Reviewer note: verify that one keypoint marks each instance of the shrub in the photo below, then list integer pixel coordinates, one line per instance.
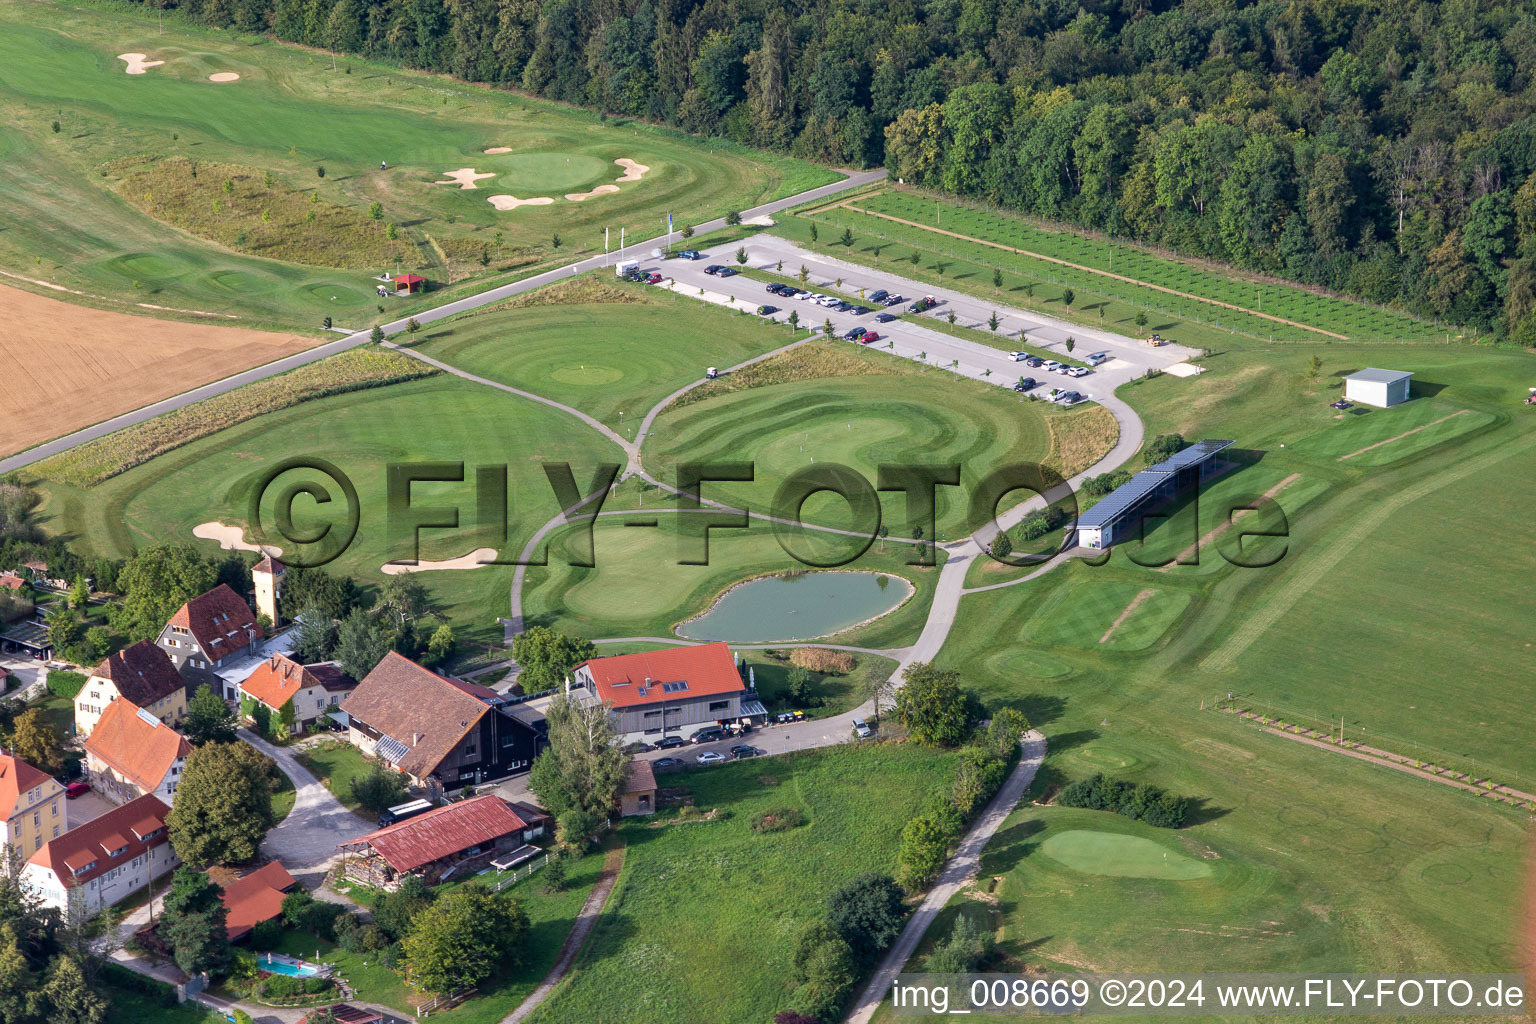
(978, 776)
(924, 845)
(554, 874)
(1144, 802)
(777, 819)
(266, 934)
(820, 660)
(65, 684)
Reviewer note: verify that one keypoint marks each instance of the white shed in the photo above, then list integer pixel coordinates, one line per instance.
(1380, 388)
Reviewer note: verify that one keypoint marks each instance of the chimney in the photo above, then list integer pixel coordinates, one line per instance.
(415, 738)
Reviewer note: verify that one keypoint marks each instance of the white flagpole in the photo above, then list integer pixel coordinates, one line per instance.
(605, 246)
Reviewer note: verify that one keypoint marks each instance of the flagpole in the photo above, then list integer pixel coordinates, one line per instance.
(605, 246)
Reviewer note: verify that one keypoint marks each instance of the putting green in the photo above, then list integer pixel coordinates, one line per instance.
(239, 281)
(541, 173)
(1029, 663)
(1104, 758)
(1110, 853)
(145, 265)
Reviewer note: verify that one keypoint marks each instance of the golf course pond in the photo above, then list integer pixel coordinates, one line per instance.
(798, 606)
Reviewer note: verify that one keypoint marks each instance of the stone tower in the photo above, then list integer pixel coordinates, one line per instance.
(267, 575)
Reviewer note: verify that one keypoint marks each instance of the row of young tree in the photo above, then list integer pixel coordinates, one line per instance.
(1384, 150)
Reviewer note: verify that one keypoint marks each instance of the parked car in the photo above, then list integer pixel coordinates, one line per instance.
(774, 288)
(1034, 362)
(713, 268)
(743, 750)
(869, 336)
(893, 300)
(1052, 365)
(855, 334)
(654, 277)
(690, 254)
(767, 310)
(1067, 398)
(1018, 357)
(862, 729)
(711, 757)
(1025, 384)
(1096, 358)
(727, 272)
(708, 734)
(665, 763)
(638, 747)
(923, 304)
(1077, 371)
(885, 318)
(75, 789)
(669, 742)
(879, 296)
(840, 306)
(861, 310)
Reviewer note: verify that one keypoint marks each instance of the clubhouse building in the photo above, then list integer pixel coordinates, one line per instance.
(653, 693)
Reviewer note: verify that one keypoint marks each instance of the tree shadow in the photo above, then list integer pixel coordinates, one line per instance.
(1068, 740)
(1010, 846)
(1201, 812)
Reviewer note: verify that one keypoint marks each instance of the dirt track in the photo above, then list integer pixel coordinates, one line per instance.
(68, 366)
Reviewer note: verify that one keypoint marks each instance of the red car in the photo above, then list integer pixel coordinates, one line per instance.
(654, 277)
(75, 789)
(868, 337)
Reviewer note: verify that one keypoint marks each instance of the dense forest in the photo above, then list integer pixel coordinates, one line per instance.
(1379, 147)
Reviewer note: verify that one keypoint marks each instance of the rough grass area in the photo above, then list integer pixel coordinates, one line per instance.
(336, 764)
(252, 211)
(1080, 438)
(816, 360)
(588, 288)
(89, 464)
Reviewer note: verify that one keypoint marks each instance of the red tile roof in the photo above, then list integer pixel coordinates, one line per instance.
(443, 832)
(268, 565)
(85, 852)
(220, 621)
(629, 680)
(140, 751)
(16, 777)
(256, 897)
(277, 679)
(429, 714)
(11, 582)
(143, 673)
(408, 279)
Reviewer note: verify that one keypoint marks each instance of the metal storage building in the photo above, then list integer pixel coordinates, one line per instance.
(1381, 388)
(1119, 513)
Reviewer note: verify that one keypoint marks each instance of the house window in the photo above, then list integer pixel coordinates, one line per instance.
(469, 750)
(719, 705)
(55, 831)
(652, 714)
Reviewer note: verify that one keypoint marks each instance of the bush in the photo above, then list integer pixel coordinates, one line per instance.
(65, 684)
(554, 874)
(266, 934)
(1164, 446)
(1145, 802)
(379, 789)
(978, 776)
(924, 845)
(778, 819)
(362, 938)
(819, 660)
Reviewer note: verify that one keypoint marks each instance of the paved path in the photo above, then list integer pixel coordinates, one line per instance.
(464, 305)
(613, 862)
(306, 840)
(962, 867)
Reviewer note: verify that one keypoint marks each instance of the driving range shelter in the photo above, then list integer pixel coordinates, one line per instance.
(1119, 514)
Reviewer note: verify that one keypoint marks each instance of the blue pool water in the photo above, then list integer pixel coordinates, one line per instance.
(283, 967)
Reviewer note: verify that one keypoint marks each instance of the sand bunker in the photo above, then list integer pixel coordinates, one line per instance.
(512, 202)
(632, 170)
(601, 190)
(223, 76)
(232, 538)
(137, 65)
(476, 559)
(464, 176)
(499, 149)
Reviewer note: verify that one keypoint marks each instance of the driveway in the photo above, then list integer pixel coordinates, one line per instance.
(306, 840)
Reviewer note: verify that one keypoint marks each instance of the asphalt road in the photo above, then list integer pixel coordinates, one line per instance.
(450, 309)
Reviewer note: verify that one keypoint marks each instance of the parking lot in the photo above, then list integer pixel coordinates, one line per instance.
(909, 336)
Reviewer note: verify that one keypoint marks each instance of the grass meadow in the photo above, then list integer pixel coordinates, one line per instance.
(703, 920)
(106, 204)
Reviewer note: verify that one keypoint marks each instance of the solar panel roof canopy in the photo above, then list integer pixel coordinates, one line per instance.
(1125, 497)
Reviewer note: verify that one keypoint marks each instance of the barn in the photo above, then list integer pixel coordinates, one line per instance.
(1381, 388)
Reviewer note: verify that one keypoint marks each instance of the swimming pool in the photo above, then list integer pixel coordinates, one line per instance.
(293, 969)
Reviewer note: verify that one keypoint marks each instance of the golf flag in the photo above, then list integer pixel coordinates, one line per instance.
(669, 222)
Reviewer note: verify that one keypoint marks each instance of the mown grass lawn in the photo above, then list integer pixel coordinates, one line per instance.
(336, 764)
(702, 922)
